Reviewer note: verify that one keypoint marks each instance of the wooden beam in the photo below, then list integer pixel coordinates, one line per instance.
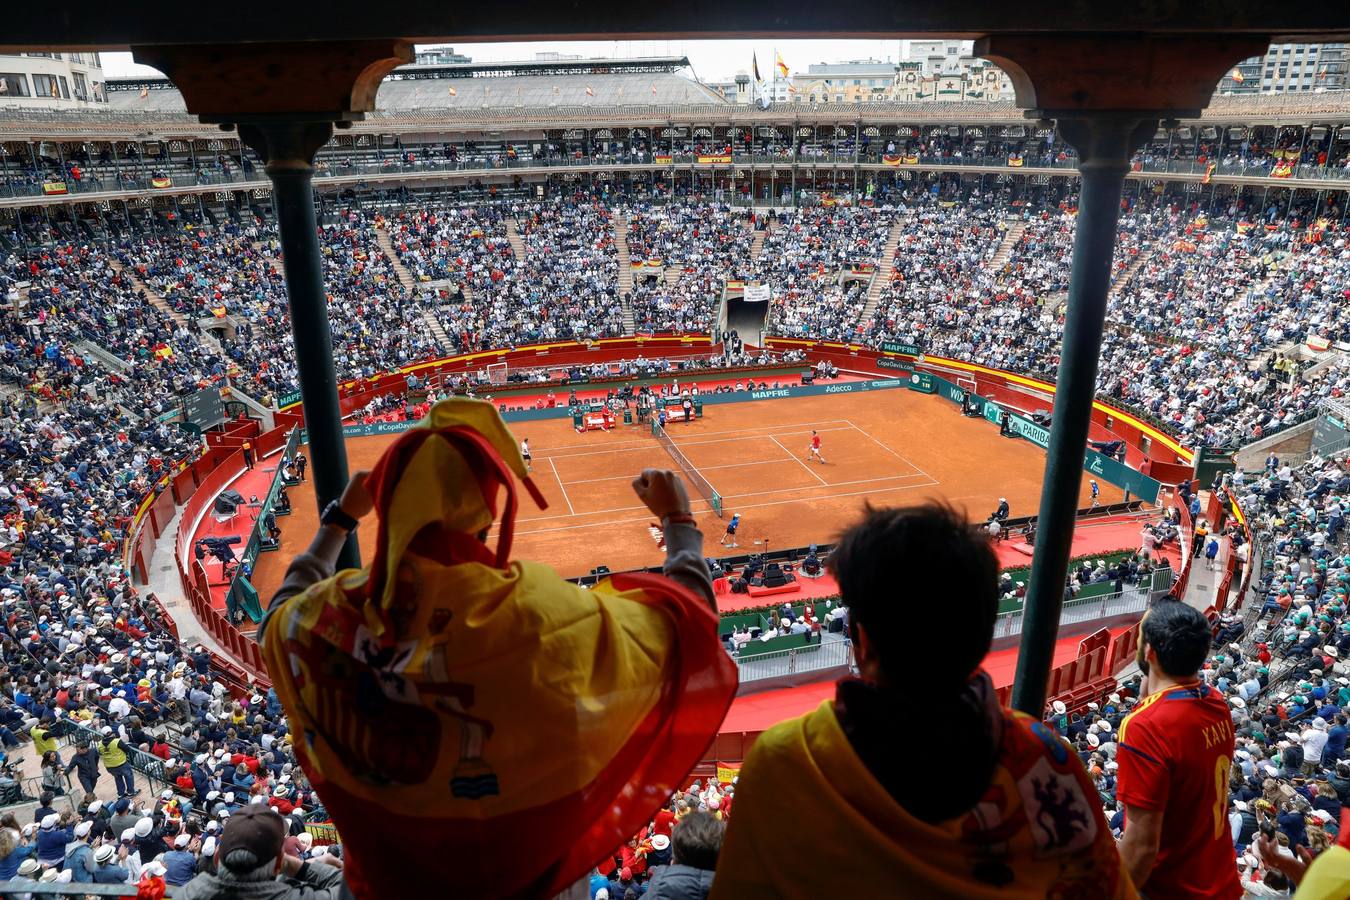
(1059, 74)
(311, 81)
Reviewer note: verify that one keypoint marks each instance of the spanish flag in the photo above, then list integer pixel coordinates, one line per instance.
(806, 771)
(1283, 169)
(161, 181)
(1209, 173)
(890, 159)
(453, 92)
(782, 66)
(505, 728)
(1238, 76)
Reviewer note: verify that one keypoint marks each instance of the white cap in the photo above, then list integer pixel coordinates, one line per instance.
(182, 840)
(83, 829)
(144, 827)
(1059, 707)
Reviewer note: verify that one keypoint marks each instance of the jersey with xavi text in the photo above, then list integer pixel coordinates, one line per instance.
(1175, 752)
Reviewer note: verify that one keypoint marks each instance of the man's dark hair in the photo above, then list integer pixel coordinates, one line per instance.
(904, 573)
(1179, 635)
(696, 840)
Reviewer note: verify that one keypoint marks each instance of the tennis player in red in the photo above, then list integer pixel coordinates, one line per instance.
(813, 451)
(1175, 751)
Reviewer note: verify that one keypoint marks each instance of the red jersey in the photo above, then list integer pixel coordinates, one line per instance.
(815, 441)
(1175, 752)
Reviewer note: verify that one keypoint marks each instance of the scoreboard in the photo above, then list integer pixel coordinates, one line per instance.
(204, 409)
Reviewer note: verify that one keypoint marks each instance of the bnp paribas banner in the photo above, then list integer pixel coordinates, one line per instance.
(1025, 428)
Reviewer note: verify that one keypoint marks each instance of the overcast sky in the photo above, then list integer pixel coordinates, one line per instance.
(712, 60)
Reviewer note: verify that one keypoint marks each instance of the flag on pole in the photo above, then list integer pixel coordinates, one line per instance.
(590, 91)
(454, 93)
(782, 66)
(653, 88)
(1238, 76)
(145, 92)
(754, 65)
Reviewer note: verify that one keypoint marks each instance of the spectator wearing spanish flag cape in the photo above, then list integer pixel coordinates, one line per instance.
(452, 705)
(1020, 820)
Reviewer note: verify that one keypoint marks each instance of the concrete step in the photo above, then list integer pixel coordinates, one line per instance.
(1005, 247)
(1132, 270)
(405, 277)
(885, 268)
(437, 330)
(155, 298)
(624, 262)
(757, 244)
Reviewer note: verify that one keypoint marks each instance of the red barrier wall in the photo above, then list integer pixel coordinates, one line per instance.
(1082, 680)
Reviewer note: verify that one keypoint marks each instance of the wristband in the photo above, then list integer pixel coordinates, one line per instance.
(334, 515)
(679, 517)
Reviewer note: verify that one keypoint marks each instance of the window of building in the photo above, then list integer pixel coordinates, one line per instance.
(45, 86)
(81, 86)
(14, 84)
(65, 87)
(951, 51)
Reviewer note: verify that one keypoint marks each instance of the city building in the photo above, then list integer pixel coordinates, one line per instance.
(852, 81)
(440, 56)
(51, 80)
(1289, 68)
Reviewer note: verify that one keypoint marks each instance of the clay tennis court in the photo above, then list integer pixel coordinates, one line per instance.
(884, 447)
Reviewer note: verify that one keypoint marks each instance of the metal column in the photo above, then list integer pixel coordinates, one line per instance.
(1104, 147)
(287, 149)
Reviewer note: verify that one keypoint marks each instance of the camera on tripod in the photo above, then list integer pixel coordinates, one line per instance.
(219, 547)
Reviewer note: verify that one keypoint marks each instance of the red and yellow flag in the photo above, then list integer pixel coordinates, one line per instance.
(464, 700)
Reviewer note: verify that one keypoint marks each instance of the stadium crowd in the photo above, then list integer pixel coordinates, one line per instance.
(1195, 307)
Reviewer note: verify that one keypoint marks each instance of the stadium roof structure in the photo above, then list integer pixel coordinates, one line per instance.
(1107, 73)
(593, 83)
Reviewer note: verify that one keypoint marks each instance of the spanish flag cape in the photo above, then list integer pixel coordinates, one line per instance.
(477, 723)
(1037, 832)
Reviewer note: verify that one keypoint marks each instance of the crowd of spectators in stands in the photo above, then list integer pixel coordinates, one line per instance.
(700, 247)
(1197, 305)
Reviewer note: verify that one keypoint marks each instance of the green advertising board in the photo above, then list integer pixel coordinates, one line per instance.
(1025, 428)
(906, 349)
(286, 400)
(1121, 475)
(922, 382)
(993, 412)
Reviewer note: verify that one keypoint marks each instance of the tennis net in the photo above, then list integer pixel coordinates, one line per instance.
(696, 477)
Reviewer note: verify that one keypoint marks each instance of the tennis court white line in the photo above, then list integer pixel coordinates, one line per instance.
(647, 445)
(736, 465)
(704, 508)
(903, 459)
(799, 462)
(696, 500)
(562, 487)
(646, 442)
(812, 487)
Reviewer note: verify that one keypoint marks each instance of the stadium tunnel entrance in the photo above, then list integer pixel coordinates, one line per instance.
(747, 318)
